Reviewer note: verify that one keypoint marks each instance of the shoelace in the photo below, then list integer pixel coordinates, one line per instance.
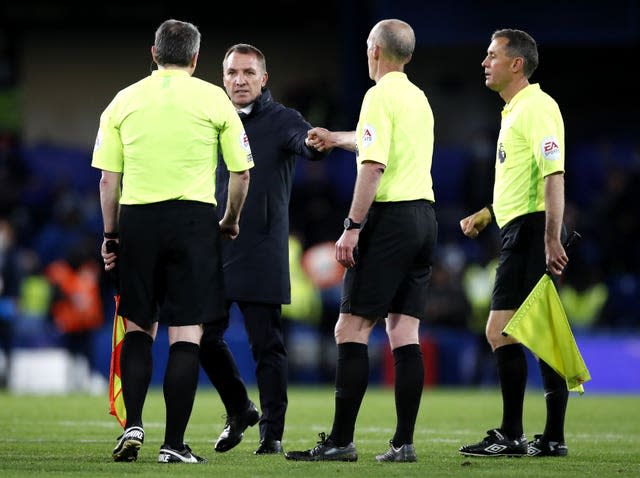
(323, 438)
(321, 443)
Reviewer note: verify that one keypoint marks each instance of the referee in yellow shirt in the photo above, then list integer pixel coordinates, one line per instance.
(528, 206)
(160, 137)
(387, 245)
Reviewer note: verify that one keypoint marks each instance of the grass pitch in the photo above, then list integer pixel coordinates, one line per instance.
(73, 436)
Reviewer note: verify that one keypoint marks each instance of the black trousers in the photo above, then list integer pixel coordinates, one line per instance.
(263, 323)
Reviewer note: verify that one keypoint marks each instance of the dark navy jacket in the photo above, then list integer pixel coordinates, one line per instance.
(256, 264)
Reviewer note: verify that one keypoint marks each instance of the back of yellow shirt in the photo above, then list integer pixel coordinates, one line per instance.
(163, 134)
(396, 129)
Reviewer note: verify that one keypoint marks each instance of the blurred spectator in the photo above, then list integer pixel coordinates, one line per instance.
(305, 308)
(77, 308)
(477, 282)
(319, 262)
(583, 292)
(35, 293)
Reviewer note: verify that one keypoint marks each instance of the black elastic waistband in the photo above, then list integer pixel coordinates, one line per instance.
(414, 202)
(170, 204)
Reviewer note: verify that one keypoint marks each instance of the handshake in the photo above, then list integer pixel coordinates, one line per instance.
(322, 139)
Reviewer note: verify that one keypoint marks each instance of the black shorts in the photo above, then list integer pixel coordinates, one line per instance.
(522, 261)
(393, 261)
(170, 263)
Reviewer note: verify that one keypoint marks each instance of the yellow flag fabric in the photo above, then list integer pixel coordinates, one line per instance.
(542, 326)
(116, 401)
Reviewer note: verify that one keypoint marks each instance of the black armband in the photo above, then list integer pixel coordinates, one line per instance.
(493, 214)
(111, 235)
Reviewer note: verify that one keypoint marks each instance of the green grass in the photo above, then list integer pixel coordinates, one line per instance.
(74, 435)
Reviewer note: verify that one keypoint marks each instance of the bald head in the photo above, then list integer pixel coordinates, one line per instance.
(395, 38)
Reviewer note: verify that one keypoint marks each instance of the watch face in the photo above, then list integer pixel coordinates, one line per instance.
(349, 224)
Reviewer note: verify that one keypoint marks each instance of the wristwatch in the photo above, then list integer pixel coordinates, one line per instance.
(349, 224)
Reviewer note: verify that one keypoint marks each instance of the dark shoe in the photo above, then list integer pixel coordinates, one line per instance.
(235, 427)
(540, 446)
(171, 455)
(128, 444)
(406, 453)
(496, 444)
(325, 450)
(269, 447)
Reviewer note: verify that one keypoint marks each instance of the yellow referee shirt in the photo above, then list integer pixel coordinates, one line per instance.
(396, 129)
(163, 134)
(530, 147)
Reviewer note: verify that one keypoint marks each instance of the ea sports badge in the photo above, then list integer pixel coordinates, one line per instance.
(550, 148)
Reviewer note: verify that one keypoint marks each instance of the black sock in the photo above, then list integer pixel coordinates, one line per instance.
(221, 368)
(556, 396)
(512, 371)
(352, 377)
(135, 369)
(180, 383)
(409, 370)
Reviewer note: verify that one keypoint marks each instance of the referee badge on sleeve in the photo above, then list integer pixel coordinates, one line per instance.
(368, 135)
(550, 148)
(244, 141)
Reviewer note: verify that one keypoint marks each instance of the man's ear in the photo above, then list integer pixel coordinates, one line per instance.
(153, 53)
(517, 64)
(265, 78)
(376, 52)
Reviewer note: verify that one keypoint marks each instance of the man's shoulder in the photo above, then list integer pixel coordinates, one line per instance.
(205, 85)
(538, 104)
(283, 113)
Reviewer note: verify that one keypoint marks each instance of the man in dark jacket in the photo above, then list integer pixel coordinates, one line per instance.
(256, 265)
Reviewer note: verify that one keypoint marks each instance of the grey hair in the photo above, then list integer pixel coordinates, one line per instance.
(176, 43)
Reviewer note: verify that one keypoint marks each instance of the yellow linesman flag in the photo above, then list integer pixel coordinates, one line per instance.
(542, 326)
(116, 401)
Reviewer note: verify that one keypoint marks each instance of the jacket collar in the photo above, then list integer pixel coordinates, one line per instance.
(261, 102)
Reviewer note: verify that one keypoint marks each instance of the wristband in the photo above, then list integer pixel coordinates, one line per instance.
(493, 214)
(111, 235)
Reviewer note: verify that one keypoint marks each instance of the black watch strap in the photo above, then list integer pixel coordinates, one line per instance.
(351, 224)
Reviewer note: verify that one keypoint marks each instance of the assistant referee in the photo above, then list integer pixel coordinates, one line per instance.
(160, 138)
(387, 245)
(528, 206)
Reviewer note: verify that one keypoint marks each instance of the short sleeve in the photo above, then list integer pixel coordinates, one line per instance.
(374, 131)
(547, 139)
(108, 150)
(234, 142)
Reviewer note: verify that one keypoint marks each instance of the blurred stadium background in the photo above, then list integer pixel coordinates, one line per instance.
(60, 64)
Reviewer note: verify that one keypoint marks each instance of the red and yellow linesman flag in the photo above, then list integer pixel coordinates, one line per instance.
(541, 325)
(116, 401)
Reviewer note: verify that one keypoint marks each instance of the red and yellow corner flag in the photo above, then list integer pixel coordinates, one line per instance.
(542, 326)
(116, 401)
